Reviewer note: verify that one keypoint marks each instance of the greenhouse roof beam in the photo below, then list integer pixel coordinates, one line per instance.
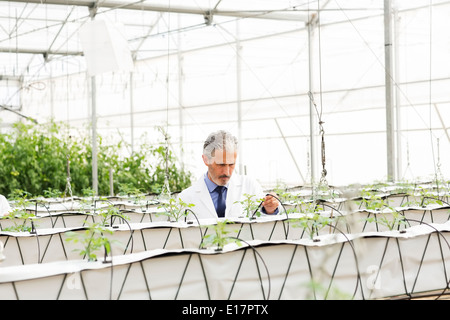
(289, 15)
(45, 53)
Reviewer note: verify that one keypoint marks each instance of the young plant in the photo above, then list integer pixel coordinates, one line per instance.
(87, 202)
(283, 194)
(373, 201)
(392, 219)
(22, 219)
(312, 224)
(134, 194)
(220, 237)
(110, 214)
(52, 193)
(250, 204)
(92, 240)
(304, 206)
(175, 209)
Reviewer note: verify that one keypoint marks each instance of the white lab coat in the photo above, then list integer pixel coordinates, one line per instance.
(5, 208)
(198, 194)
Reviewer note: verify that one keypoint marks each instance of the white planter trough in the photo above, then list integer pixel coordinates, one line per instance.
(356, 266)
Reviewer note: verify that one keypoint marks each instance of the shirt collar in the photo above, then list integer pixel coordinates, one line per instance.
(211, 185)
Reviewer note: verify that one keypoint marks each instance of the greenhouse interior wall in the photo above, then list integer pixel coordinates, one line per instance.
(252, 77)
(346, 92)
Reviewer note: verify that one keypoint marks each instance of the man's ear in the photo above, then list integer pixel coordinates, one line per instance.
(206, 160)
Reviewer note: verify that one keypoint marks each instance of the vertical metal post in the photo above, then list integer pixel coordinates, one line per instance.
(180, 93)
(111, 182)
(132, 111)
(92, 13)
(397, 99)
(239, 96)
(94, 136)
(52, 94)
(390, 152)
(312, 122)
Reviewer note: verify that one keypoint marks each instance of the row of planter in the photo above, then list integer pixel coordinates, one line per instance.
(301, 253)
(358, 266)
(51, 244)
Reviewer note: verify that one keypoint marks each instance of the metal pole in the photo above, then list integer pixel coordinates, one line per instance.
(180, 94)
(397, 97)
(312, 121)
(92, 13)
(132, 111)
(94, 136)
(390, 152)
(239, 97)
(111, 182)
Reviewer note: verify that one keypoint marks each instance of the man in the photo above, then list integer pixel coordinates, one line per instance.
(5, 208)
(218, 192)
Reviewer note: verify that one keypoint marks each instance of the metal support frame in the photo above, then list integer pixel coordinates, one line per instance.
(312, 127)
(389, 92)
(239, 96)
(288, 15)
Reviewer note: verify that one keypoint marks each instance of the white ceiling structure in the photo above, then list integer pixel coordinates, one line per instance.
(273, 72)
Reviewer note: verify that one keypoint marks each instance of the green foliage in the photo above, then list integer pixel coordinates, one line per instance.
(372, 200)
(249, 204)
(35, 158)
(385, 214)
(220, 236)
(391, 220)
(92, 239)
(175, 209)
(95, 237)
(19, 215)
(312, 224)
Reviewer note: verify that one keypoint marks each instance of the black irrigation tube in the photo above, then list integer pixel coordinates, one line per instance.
(254, 251)
(201, 237)
(358, 282)
(186, 210)
(131, 231)
(198, 222)
(267, 271)
(333, 208)
(433, 198)
(260, 204)
(376, 221)
(350, 242)
(257, 266)
(409, 294)
(442, 255)
(184, 273)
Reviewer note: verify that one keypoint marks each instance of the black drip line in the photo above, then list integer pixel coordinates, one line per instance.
(408, 293)
(358, 275)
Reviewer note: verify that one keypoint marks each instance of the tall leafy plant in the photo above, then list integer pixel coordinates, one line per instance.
(36, 157)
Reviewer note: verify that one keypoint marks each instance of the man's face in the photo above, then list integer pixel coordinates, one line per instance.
(220, 166)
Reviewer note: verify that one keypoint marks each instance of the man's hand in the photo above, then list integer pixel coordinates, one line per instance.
(270, 203)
